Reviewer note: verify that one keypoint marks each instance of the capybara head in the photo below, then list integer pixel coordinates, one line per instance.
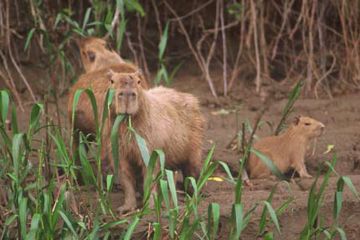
(96, 53)
(127, 88)
(308, 127)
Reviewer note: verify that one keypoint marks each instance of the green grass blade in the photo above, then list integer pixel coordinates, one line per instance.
(134, 4)
(171, 182)
(28, 39)
(237, 217)
(109, 182)
(4, 105)
(131, 228)
(14, 123)
(34, 227)
(272, 215)
(163, 41)
(274, 170)
(227, 170)
(142, 146)
(23, 216)
(115, 142)
(86, 18)
(207, 160)
(348, 182)
(342, 233)
(213, 216)
(68, 223)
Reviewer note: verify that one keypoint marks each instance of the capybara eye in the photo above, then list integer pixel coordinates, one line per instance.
(307, 124)
(133, 94)
(91, 56)
(111, 81)
(139, 81)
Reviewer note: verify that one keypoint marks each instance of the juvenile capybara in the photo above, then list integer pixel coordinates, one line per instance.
(166, 119)
(98, 82)
(287, 150)
(96, 54)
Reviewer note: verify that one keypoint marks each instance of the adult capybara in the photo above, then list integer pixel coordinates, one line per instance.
(166, 119)
(98, 82)
(96, 54)
(287, 150)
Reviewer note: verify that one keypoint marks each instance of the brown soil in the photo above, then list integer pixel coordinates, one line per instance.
(342, 119)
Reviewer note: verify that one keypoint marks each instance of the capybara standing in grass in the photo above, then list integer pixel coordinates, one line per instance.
(98, 82)
(287, 150)
(96, 54)
(166, 119)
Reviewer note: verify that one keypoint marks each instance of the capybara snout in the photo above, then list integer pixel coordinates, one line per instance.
(126, 91)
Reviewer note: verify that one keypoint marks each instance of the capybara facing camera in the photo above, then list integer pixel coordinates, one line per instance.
(166, 119)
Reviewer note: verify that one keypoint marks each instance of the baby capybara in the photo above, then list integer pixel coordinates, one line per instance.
(98, 82)
(96, 54)
(287, 150)
(166, 119)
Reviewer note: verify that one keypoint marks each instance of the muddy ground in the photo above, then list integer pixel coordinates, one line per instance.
(341, 117)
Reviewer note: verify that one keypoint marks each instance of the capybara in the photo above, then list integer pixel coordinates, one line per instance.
(287, 150)
(96, 54)
(166, 119)
(98, 82)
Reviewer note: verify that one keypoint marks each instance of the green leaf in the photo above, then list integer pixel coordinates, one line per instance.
(110, 182)
(163, 41)
(23, 216)
(86, 18)
(348, 182)
(131, 228)
(133, 4)
(142, 145)
(28, 39)
(121, 33)
(269, 164)
(342, 233)
(68, 223)
(272, 216)
(4, 105)
(237, 217)
(115, 142)
(213, 216)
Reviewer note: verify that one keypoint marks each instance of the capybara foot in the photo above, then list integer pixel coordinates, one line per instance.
(249, 184)
(126, 208)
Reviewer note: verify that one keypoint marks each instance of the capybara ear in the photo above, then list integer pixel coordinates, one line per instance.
(297, 119)
(138, 73)
(110, 73)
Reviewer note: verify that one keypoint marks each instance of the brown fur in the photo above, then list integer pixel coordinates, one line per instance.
(97, 54)
(166, 119)
(84, 116)
(287, 150)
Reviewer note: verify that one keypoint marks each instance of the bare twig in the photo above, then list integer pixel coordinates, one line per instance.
(177, 18)
(258, 69)
(128, 39)
(8, 40)
(224, 46)
(197, 57)
(144, 63)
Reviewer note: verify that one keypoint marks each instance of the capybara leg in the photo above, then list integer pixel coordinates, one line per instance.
(301, 169)
(192, 169)
(127, 179)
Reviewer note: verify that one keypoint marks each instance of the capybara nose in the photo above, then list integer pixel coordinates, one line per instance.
(130, 94)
